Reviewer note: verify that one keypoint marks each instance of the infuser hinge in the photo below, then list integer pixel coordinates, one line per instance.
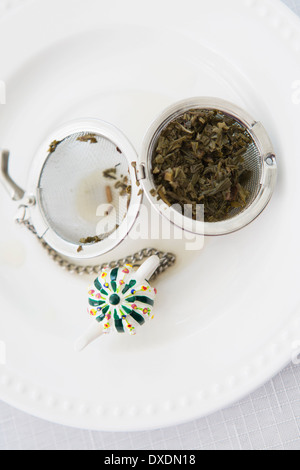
(140, 171)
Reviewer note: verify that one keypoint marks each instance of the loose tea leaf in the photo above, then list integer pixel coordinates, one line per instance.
(199, 159)
(108, 194)
(54, 145)
(88, 138)
(134, 165)
(123, 186)
(110, 173)
(97, 238)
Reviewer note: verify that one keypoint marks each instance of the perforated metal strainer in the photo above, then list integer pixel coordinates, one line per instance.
(260, 159)
(67, 191)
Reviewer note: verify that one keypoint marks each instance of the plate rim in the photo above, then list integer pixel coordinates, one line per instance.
(282, 359)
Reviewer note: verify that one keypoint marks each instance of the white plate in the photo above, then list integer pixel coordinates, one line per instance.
(235, 316)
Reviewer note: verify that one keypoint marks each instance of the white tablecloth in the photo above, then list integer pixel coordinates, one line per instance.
(266, 419)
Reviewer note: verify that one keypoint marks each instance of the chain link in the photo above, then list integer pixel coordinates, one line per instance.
(167, 260)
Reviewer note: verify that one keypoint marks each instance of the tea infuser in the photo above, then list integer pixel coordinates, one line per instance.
(67, 183)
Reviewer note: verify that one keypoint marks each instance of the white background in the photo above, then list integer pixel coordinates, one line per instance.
(266, 419)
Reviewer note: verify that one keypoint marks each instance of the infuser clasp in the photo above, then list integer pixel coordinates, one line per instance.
(15, 192)
(140, 172)
(22, 214)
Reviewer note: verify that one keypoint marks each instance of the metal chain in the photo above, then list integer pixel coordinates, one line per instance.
(167, 259)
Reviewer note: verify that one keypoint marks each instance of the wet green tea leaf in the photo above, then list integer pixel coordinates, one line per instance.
(199, 159)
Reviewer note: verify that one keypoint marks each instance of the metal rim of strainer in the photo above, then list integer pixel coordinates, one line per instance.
(37, 216)
(260, 139)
